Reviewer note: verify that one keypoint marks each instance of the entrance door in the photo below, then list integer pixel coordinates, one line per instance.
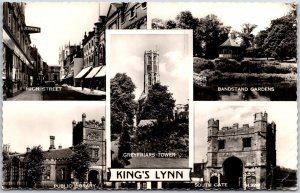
(94, 177)
(233, 172)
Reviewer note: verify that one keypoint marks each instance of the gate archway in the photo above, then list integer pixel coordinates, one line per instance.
(233, 172)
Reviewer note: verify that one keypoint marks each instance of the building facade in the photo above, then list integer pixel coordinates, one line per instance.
(18, 67)
(119, 16)
(242, 157)
(56, 162)
(53, 73)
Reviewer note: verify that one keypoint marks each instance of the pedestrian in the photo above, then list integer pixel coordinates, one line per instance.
(81, 83)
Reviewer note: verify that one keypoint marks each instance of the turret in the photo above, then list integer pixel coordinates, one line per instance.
(260, 122)
(213, 127)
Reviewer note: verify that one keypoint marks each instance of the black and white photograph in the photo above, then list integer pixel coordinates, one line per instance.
(245, 146)
(150, 95)
(54, 145)
(242, 50)
(56, 50)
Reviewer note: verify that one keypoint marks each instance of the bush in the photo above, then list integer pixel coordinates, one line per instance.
(203, 65)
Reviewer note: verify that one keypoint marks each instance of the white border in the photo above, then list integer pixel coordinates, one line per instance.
(190, 82)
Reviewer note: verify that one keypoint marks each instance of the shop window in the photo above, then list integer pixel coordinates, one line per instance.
(247, 142)
(221, 144)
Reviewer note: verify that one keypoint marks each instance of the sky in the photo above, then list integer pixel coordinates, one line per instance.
(231, 14)
(30, 123)
(175, 60)
(61, 23)
(284, 114)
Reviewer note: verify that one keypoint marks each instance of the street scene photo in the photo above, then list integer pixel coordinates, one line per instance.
(149, 110)
(242, 51)
(245, 146)
(56, 50)
(54, 145)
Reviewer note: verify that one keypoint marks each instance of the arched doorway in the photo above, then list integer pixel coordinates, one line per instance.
(94, 177)
(233, 172)
(214, 180)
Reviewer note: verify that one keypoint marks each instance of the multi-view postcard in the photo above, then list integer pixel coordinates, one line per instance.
(149, 96)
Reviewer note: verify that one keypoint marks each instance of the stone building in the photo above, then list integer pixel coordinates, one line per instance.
(242, 156)
(18, 66)
(127, 16)
(151, 71)
(57, 160)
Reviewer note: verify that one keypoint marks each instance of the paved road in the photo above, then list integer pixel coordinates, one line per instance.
(68, 94)
(27, 96)
(64, 94)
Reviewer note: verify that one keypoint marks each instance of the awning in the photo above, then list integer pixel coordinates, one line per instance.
(101, 73)
(83, 72)
(93, 72)
(68, 76)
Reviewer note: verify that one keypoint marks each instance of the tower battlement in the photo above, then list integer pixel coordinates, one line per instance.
(261, 117)
(213, 123)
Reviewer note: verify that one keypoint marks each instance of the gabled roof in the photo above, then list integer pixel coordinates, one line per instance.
(230, 43)
(113, 7)
(58, 153)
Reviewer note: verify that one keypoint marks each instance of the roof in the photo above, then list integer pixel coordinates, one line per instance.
(58, 153)
(113, 8)
(230, 43)
(147, 122)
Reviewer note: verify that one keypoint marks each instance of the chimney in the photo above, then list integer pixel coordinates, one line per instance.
(83, 118)
(52, 146)
(59, 147)
(28, 150)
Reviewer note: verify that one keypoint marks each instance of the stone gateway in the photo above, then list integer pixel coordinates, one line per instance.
(242, 157)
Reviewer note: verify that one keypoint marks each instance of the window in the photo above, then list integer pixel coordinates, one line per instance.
(132, 13)
(123, 16)
(247, 142)
(96, 152)
(221, 144)
(15, 173)
(62, 174)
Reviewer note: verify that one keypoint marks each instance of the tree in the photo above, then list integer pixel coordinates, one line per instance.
(34, 165)
(170, 24)
(157, 23)
(80, 161)
(185, 20)
(124, 142)
(210, 34)
(247, 35)
(281, 41)
(159, 104)
(122, 101)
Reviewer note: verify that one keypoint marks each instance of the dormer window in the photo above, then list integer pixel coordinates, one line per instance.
(144, 5)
